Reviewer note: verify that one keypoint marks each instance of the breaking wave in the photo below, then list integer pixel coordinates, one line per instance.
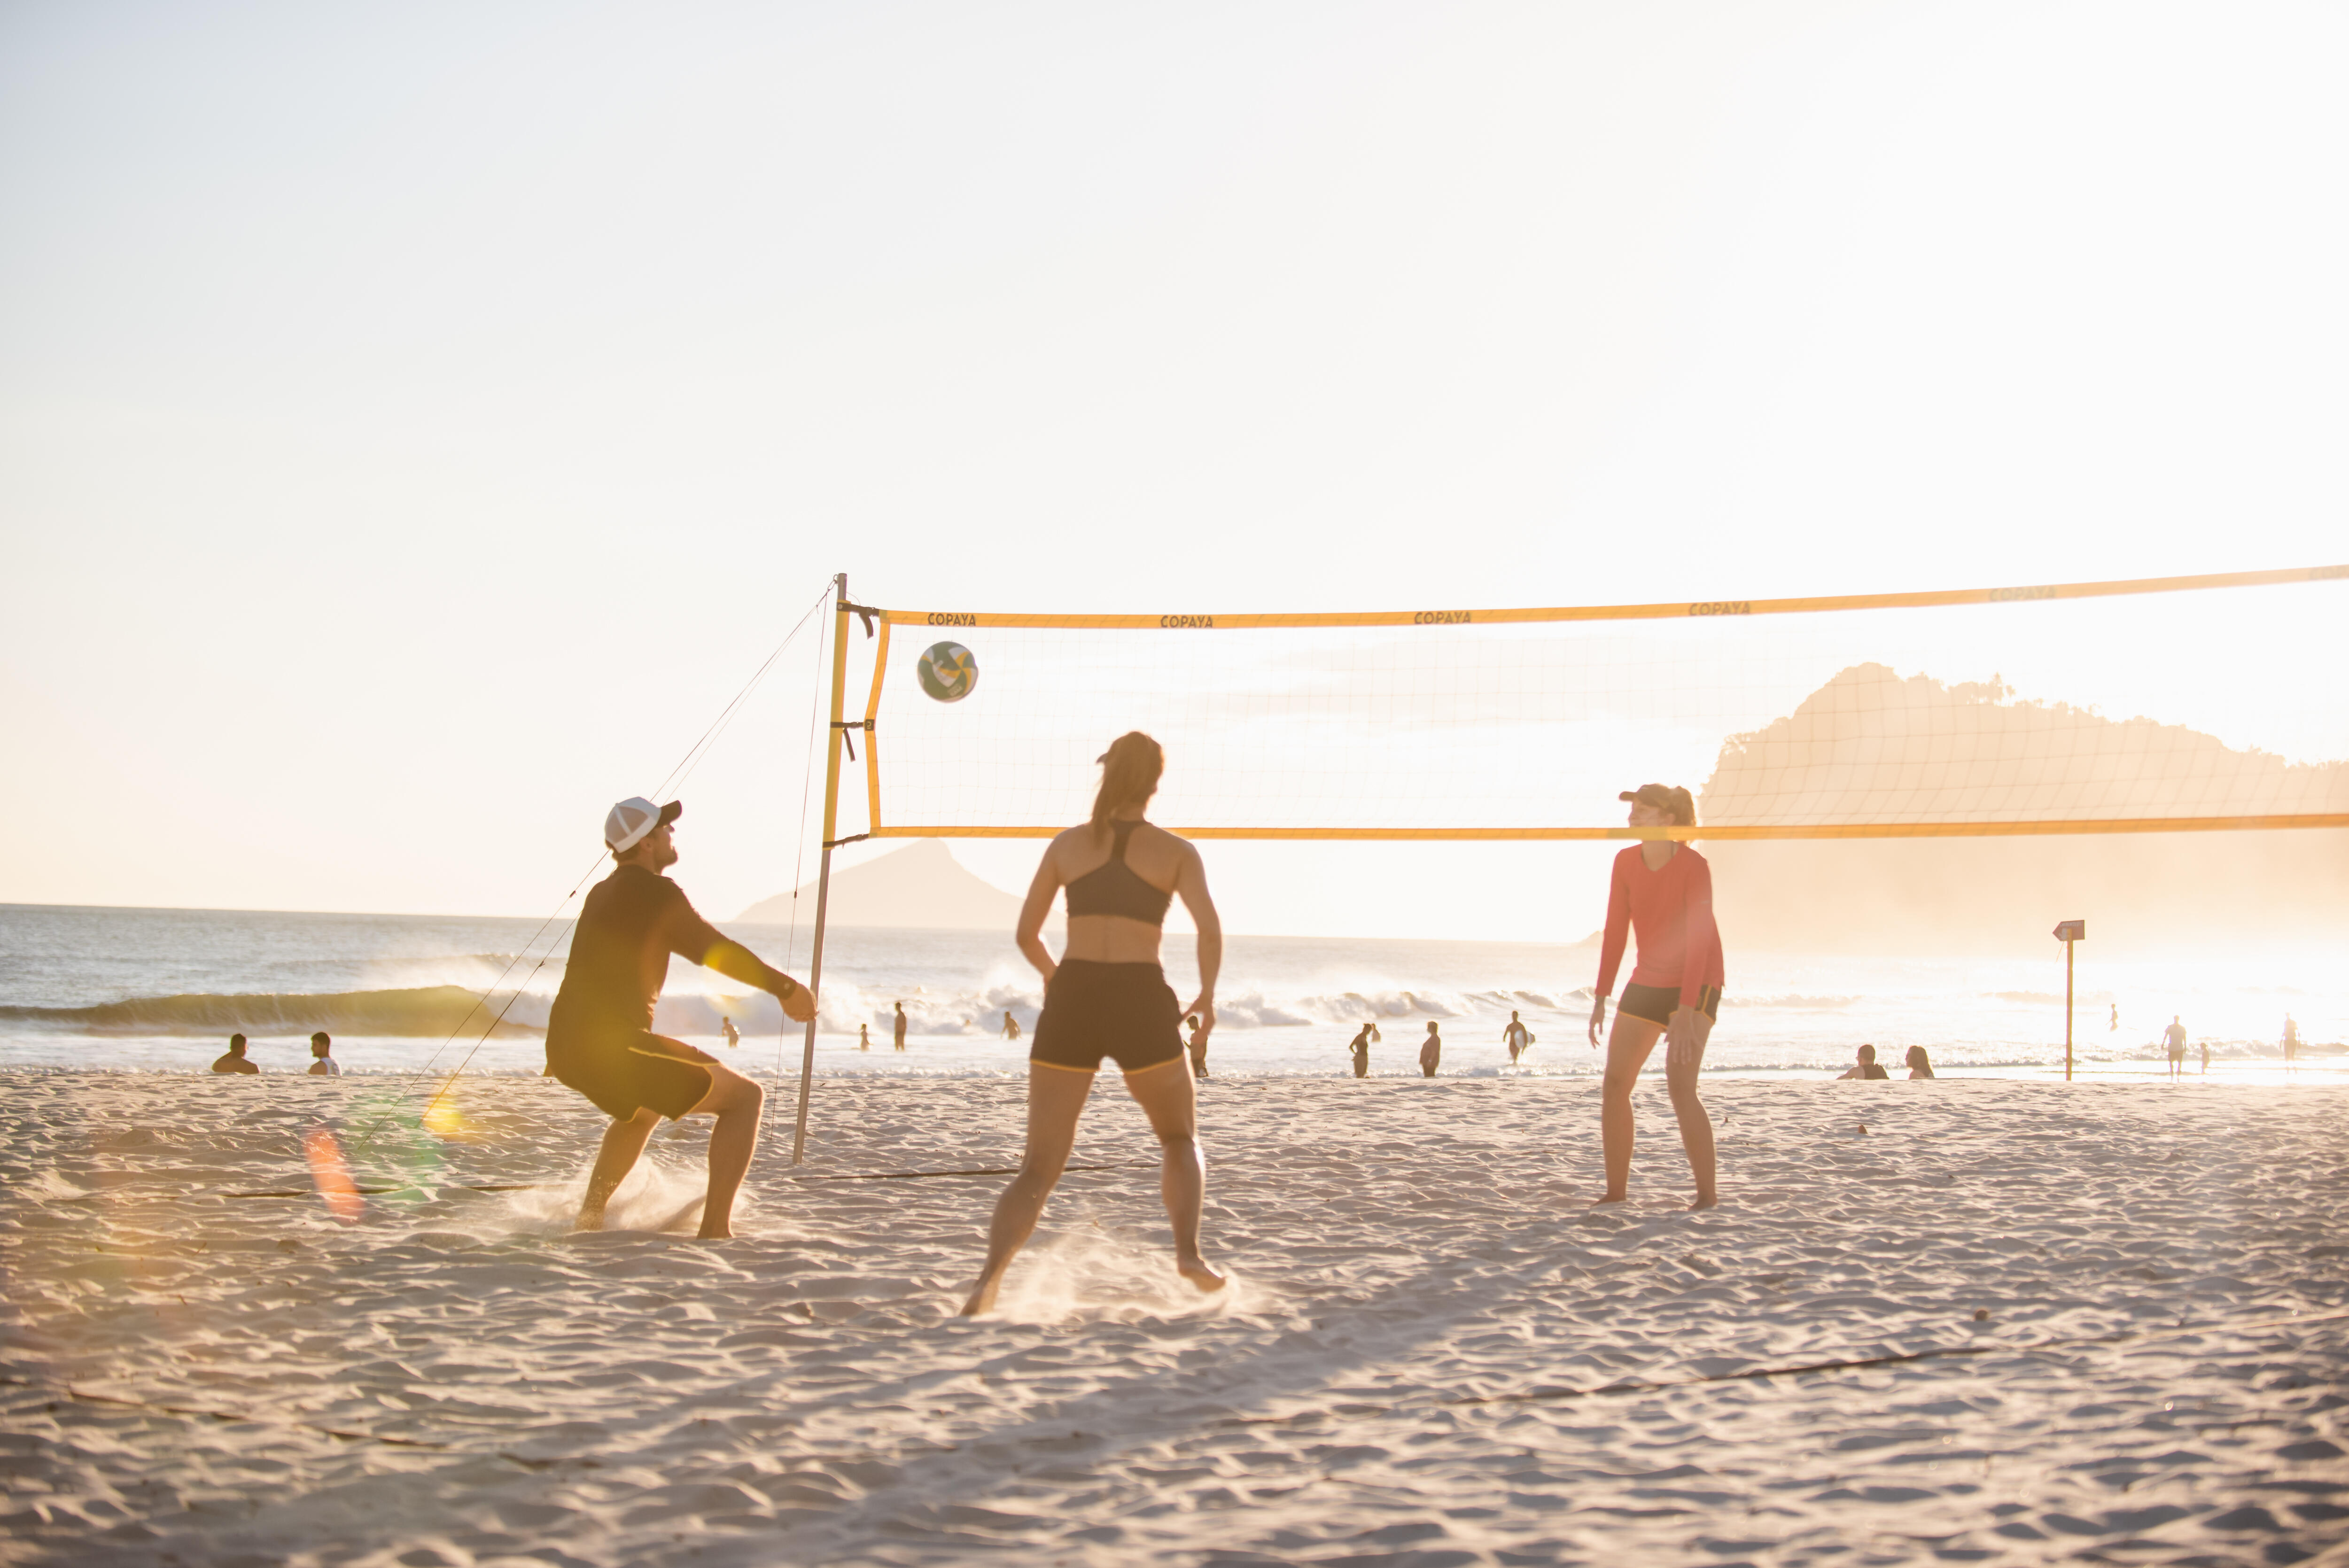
(446, 1009)
(422, 1010)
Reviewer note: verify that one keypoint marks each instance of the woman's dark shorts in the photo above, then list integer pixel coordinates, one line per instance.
(623, 1073)
(1656, 1002)
(1123, 1011)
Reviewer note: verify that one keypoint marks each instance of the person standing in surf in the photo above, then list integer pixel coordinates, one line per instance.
(1517, 1036)
(1107, 997)
(599, 1037)
(1663, 890)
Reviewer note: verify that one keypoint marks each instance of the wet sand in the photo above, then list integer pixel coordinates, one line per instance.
(1423, 1360)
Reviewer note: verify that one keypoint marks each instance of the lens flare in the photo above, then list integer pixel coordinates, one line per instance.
(332, 1175)
(443, 1121)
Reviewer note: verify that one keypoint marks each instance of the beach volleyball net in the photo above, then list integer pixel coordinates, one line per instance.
(2155, 705)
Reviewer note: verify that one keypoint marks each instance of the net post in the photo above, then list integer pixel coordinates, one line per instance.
(2067, 1009)
(823, 868)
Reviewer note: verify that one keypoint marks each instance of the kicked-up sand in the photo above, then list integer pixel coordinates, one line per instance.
(2101, 1322)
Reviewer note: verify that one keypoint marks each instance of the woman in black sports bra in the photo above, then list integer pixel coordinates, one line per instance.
(1108, 998)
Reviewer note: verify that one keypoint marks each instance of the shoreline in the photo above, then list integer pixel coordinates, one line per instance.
(918, 1065)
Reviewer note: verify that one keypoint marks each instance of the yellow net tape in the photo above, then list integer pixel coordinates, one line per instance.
(1930, 600)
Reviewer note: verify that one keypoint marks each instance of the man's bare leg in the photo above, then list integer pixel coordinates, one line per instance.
(737, 1102)
(1170, 1098)
(1696, 1126)
(1055, 1097)
(1627, 1045)
(623, 1142)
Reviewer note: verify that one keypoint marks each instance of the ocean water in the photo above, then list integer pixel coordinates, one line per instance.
(159, 990)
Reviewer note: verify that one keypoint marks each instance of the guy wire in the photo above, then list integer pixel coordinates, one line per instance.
(677, 775)
(798, 864)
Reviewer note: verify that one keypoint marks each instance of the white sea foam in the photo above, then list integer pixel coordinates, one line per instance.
(160, 989)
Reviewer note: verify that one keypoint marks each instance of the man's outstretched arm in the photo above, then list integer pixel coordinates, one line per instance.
(736, 962)
(697, 941)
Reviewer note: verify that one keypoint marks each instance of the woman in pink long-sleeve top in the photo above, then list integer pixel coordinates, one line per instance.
(1663, 891)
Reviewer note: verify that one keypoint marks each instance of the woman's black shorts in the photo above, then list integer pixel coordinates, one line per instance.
(1123, 1011)
(1655, 1003)
(623, 1073)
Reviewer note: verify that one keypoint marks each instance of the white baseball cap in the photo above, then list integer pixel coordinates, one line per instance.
(626, 824)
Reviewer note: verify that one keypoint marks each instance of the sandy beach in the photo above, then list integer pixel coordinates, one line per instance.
(1426, 1357)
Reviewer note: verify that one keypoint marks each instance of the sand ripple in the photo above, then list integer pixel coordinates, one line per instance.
(1430, 1353)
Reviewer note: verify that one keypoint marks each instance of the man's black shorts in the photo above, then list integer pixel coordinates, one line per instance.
(623, 1073)
(1123, 1011)
(1656, 1002)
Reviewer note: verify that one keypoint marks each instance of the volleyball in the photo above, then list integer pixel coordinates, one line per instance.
(949, 672)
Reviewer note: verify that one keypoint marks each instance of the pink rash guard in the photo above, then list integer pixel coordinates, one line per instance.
(1672, 912)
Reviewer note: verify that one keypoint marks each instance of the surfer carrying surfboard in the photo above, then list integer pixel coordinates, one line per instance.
(599, 1037)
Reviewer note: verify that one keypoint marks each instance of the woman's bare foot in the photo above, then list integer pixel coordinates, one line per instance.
(983, 1295)
(1705, 1200)
(1198, 1272)
(721, 1233)
(1609, 1197)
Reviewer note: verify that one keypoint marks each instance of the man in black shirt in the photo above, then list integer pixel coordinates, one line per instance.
(599, 1037)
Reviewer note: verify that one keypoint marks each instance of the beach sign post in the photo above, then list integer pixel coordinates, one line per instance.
(2068, 931)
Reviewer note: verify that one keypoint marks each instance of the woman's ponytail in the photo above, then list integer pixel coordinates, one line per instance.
(1130, 770)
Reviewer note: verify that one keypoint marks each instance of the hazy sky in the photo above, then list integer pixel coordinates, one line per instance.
(417, 421)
